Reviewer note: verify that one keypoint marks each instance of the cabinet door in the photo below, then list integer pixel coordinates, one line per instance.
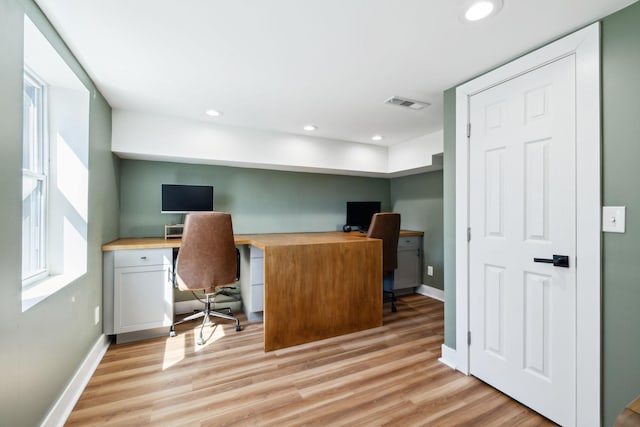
(143, 298)
(408, 273)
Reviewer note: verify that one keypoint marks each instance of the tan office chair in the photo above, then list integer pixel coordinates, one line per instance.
(386, 226)
(208, 261)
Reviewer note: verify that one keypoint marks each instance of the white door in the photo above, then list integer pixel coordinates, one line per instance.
(522, 205)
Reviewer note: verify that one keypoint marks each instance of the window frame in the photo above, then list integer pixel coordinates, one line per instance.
(38, 170)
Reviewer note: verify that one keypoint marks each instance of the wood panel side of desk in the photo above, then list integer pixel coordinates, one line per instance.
(321, 290)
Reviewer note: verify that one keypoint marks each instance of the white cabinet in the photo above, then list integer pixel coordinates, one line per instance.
(252, 287)
(256, 297)
(409, 271)
(138, 290)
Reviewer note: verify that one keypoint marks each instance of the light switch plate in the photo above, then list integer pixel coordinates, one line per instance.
(613, 219)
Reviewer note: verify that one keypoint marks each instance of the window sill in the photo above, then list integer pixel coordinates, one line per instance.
(39, 291)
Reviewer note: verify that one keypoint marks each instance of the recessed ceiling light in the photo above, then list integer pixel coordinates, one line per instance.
(376, 137)
(481, 9)
(213, 113)
(310, 128)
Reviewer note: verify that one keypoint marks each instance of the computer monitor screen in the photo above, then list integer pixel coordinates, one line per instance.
(359, 213)
(177, 198)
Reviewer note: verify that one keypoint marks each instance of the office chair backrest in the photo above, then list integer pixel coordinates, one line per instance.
(207, 255)
(386, 226)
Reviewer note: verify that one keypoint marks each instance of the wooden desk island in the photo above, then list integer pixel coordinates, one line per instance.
(316, 285)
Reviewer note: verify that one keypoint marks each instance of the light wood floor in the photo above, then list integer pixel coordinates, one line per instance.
(383, 376)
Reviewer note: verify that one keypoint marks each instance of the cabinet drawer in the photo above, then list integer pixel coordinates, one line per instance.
(140, 257)
(257, 271)
(257, 298)
(256, 252)
(410, 242)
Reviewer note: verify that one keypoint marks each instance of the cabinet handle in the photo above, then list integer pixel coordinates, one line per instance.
(144, 258)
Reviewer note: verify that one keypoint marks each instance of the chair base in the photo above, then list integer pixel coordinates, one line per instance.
(206, 314)
(387, 289)
(392, 298)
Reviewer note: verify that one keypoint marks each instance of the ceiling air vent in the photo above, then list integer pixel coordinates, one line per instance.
(406, 102)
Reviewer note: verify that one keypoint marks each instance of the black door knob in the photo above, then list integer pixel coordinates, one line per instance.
(557, 260)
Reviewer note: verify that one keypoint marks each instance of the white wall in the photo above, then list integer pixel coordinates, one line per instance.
(422, 154)
(156, 137)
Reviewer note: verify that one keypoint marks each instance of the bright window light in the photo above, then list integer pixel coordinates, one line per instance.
(55, 171)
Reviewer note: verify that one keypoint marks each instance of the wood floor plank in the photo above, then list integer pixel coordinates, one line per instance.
(389, 375)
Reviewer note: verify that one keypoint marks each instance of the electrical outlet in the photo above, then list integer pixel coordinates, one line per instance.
(430, 270)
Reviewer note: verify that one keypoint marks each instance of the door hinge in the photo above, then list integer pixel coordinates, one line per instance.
(468, 130)
(469, 338)
(469, 234)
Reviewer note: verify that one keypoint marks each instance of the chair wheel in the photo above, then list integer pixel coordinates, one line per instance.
(238, 328)
(200, 341)
(172, 333)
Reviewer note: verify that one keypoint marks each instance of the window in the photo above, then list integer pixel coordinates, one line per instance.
(34, 180)
(55, 171)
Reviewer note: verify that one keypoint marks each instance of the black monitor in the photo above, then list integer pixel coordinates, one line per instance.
(177, 198)
(359, 213)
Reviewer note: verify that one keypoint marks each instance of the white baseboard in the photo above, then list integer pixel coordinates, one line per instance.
(430, 291)
(448, 357)
(69, 397)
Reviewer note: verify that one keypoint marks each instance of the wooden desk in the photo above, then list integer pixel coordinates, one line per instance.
(319, 285)
(316, 285)
(630, 416)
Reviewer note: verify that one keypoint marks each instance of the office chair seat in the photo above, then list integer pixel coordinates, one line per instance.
(208, 261)
(386, 226)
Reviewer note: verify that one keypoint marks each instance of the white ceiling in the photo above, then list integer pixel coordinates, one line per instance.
(281, 64)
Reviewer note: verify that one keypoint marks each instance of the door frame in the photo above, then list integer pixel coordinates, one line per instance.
(584, 45)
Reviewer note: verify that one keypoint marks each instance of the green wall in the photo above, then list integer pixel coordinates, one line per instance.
(418, 198)
(449, 214)
(620, 175)
(260, 200)
(266, 201)
(620, 156)
(41, 348)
